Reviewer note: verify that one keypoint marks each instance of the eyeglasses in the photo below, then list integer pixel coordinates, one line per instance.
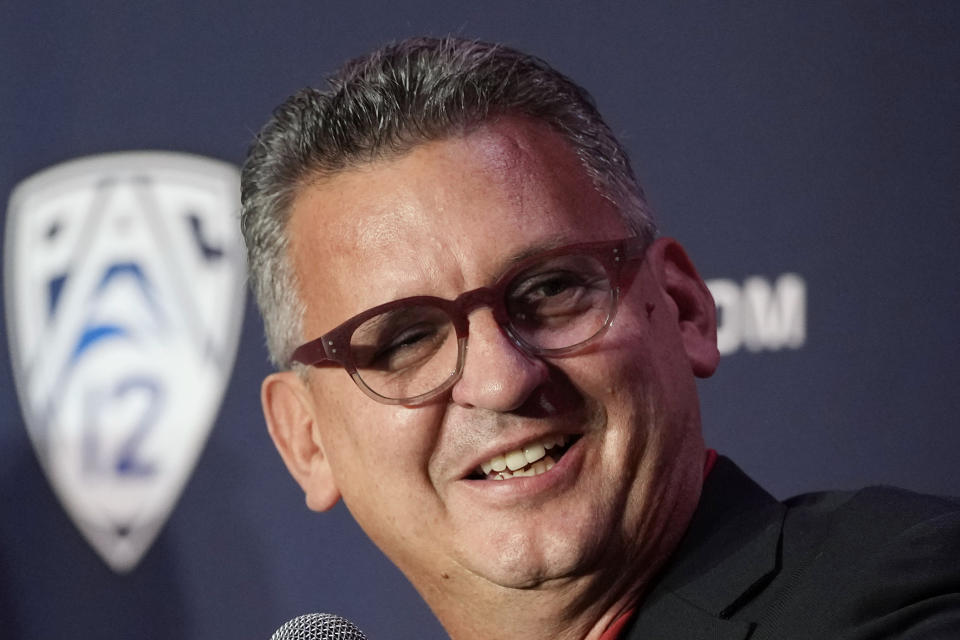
(411, 350)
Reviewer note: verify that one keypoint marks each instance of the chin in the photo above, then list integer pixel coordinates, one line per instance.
(529, 560)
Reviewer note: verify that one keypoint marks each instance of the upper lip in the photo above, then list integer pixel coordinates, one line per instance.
(504, 446)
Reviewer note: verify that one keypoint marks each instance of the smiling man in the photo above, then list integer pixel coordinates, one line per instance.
(486, 352)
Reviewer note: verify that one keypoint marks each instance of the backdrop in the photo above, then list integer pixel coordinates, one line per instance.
(805, 153)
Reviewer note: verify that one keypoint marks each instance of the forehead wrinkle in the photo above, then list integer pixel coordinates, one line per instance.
(380, 230)
(510, 170)
(499, 170)
(532, 165)
(498, 152)
(504, 158)
(401, 272)
(374, 224)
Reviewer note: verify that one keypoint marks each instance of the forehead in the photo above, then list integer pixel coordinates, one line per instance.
(441, 218)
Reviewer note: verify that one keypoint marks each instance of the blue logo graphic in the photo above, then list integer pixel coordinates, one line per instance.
(124, 294)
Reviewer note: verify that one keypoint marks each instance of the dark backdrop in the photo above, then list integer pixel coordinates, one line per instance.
(813, 138)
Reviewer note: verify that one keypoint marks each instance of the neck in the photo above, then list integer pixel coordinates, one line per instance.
(573, 609)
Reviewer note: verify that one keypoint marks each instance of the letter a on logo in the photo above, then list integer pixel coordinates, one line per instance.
(124, 291)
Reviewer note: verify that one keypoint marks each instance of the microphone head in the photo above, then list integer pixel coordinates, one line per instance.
(318, 626)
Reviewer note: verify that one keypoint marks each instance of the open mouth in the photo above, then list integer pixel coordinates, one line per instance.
(532, 459)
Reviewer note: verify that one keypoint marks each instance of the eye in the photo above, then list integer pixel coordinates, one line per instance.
(550, 285)
(400, 339)
(553, 294)
(406, 348)
(563, 296)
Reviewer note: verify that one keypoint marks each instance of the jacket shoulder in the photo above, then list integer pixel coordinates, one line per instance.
(878, 562)
(870, 519)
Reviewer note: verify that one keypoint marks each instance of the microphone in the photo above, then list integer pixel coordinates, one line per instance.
(318, 626)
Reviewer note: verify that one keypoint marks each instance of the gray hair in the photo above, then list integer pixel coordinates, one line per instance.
(385, 103)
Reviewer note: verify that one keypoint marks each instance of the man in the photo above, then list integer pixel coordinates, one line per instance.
(485, 351)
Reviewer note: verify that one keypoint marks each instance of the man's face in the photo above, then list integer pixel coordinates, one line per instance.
(447, 217)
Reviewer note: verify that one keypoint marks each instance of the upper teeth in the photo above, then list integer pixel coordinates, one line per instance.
(519, 458)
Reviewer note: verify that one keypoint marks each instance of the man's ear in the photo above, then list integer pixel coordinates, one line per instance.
(695, 310)
(291, 420)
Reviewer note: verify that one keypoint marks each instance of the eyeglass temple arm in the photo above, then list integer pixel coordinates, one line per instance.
(316, 354)
(635, 248)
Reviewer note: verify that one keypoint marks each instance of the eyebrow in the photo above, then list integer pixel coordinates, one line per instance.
(542, 246)
(385, 321)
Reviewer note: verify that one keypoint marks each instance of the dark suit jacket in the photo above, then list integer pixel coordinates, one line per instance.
(876, 563)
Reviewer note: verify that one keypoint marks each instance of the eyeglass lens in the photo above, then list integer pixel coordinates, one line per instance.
(555, 304)
(405, 352)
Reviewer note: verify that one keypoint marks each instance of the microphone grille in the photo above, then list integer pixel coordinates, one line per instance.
(318, 626)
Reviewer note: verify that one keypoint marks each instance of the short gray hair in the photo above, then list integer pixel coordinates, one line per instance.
(385, 103)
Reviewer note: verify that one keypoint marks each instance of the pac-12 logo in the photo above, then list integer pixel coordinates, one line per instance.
(124, 294)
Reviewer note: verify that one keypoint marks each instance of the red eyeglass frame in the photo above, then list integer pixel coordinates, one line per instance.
(332, 349)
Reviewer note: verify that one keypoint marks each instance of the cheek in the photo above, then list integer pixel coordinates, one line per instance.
(345, 427)
(624, 365)
(640, 373)
(649, 331)
(379, 460)
(377, 449)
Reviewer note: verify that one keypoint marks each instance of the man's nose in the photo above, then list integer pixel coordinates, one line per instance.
(497, 374)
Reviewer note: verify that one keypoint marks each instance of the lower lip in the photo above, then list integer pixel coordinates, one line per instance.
(502, 492)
